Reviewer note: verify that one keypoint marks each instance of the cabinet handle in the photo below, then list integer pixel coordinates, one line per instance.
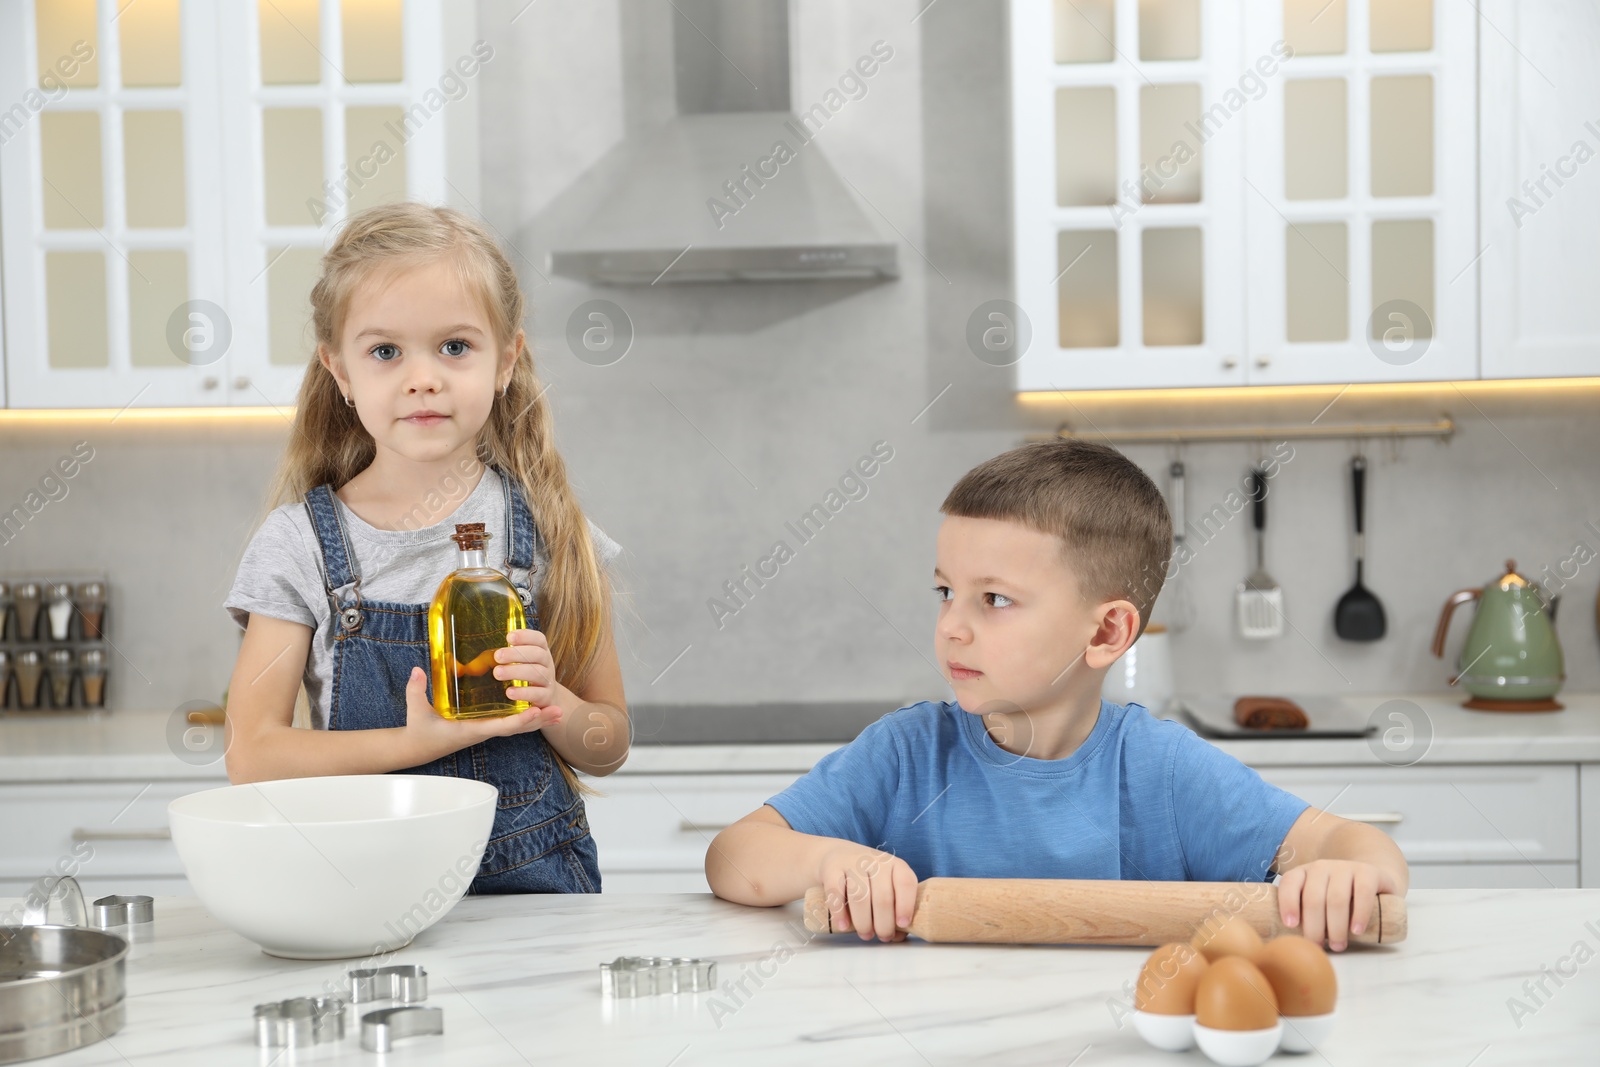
(1393, 817)
(1263, 361)
(158, 833)
(209, 382)
(241, 382)
(689, 826)
(1229, 363)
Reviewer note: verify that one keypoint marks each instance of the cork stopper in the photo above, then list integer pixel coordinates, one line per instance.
(470, 536)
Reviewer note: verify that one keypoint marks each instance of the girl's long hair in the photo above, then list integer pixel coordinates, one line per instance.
(329, 446)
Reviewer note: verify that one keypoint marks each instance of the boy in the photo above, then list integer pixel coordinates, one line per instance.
(1048, 560)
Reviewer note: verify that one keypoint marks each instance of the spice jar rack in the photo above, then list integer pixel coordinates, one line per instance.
(53, 652)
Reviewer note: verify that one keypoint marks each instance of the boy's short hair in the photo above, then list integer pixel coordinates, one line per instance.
(1115, 529)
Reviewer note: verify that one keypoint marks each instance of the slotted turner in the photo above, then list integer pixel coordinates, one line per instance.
(1260, 598)
(1359, 614)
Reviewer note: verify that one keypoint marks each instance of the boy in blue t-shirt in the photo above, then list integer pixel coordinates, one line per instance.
(1049, 558)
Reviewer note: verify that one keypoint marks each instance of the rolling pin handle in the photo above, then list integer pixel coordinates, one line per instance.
(818, 918)
(1391, 919)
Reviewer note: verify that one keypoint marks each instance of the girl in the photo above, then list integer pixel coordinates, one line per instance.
(420, 411)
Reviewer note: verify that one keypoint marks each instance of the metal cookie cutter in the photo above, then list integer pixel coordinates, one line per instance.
(643, 976)
(382, 1028)
(407, 983)
(123, 911)
(300, 1022)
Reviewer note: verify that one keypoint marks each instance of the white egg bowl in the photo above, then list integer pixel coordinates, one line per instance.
(1238, 1048)
(1170, 1033)
(1302, 1033)
(333, 867)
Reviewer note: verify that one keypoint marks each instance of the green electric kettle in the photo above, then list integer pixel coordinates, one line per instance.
(1511, 660)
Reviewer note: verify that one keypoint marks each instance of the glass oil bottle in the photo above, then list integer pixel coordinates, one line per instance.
(472, 615)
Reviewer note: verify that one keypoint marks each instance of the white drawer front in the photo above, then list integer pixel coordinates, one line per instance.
(14, 890)
(91, 830)
(653, 882)
(1494, 876)
(665, 822)
(1506, 813)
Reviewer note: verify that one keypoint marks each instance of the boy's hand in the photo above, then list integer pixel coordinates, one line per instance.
(526, 659)
(433, 735)
(1335, 897)
(872, 892)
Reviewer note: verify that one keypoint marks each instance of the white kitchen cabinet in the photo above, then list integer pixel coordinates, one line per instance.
(111, 836)
(173, 172)
(1494, 876)
(1589, 825)
(1460, 826)
(1540, 211)
(1122, 285)
(1367, 192)
(652, 831)
(1360, 165)
(1479, 826)
(110, 205)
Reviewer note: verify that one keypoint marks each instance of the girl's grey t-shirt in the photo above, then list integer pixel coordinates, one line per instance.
(280, 574)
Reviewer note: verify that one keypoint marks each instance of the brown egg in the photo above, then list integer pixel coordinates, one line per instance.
(1168, 979)
(1233, 994)
(1227, 937)
(1301, 975)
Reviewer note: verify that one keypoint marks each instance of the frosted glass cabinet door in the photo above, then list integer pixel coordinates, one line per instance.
(319, 129)
(1126, 148)
(1284, 192)
(173, 172)
(110, 205)
(1362, 168)
(1540, 216)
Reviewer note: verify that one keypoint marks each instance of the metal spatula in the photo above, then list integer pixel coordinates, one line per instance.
(1260, 599)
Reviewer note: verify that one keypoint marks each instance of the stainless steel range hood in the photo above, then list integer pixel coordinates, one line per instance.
(709, 195)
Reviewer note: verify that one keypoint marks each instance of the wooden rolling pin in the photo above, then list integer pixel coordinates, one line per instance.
(1061, 911)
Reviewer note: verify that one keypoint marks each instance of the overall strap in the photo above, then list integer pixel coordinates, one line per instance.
(338, 561)
(521, 531)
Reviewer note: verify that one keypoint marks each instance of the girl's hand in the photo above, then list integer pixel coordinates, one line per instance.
(433, 735)
(526, 659)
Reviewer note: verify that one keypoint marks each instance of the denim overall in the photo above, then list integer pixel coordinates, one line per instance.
(540, 842)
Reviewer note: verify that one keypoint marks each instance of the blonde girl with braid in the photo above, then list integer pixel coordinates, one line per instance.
(420, 410)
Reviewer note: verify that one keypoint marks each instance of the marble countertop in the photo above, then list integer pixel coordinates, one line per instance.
(150, 745)
(517, 978)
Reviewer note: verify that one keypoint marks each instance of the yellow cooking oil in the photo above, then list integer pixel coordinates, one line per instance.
(472, 615)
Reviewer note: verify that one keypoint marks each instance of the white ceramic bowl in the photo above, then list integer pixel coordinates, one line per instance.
(1238, 1048)
(333, 867)
(1170, 1033)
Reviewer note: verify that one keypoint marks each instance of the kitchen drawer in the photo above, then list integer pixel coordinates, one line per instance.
(1494, 876)
(91, 830)
(1513, 814)
(653, 882)
(94, 888)
(665, 822)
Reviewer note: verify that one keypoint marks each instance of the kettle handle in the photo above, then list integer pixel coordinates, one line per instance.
(1456, 600)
